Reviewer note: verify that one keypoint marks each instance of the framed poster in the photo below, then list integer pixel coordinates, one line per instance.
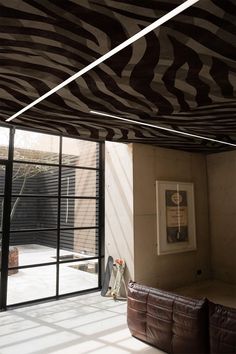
(175, 217)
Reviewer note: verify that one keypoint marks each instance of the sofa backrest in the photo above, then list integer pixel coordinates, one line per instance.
(173, 323)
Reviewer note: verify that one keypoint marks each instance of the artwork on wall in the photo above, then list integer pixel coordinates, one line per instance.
(175, 217)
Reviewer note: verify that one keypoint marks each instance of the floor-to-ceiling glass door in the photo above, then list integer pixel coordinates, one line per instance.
(4, 204)
(2, 195)
(54, 220)
(2, 199)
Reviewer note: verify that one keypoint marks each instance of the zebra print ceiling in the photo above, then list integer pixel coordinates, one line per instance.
(180, 76)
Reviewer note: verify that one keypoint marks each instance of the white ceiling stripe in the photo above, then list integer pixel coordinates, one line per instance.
(162, 128)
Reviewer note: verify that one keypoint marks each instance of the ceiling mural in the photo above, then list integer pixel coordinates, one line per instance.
(180, 76)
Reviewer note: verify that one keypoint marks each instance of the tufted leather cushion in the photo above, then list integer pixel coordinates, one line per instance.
(173, 323)
(222, 321)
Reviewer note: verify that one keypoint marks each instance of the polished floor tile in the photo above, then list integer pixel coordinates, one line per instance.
(86, 324)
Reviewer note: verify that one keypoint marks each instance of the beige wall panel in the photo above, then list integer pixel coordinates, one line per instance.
(119, 233)
(222, 206)
(168, 271)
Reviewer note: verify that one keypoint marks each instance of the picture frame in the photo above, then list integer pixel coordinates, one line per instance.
(176, 230)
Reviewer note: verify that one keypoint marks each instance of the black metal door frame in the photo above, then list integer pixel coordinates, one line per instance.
(6, 220)
(2, 275)
(6, 224)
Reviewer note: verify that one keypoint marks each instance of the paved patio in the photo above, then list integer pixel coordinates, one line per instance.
(34, 283)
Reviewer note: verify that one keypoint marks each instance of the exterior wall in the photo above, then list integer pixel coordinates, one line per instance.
(86, 184)
(168, 271)
(119, 232)
(40, 213)
(222, 206)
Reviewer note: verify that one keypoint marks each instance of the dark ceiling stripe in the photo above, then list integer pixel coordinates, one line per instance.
(102, 96)
(220, 73)
(51, 49)
(62, 40)
(11, 13)
(191, 12)
(190, 57)
(94, 19)
(228, 6)
(112, 85)
(143, 73)
(205, 37)
(12, 82)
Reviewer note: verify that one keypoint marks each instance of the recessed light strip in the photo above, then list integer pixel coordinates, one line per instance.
(161, 128)
(115, 50)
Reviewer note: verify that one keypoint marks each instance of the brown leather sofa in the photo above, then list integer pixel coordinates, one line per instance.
(177, 324)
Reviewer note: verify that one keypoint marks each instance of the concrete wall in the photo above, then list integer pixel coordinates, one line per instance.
(222, 206)
(119, 233)
(168, 271)
(131, 225)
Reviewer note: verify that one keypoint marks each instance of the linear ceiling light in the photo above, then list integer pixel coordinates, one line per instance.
(161, 128)
(115, 50)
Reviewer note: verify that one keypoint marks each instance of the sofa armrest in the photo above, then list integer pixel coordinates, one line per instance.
(222, 323)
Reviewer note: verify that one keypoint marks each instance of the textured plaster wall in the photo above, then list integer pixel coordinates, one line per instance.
(119, 232)
(168, 271)
(222, 207)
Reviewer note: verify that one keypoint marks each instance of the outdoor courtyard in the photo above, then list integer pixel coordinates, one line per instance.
(40, 282)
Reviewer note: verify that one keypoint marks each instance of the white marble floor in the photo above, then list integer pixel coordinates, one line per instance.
(88, 324)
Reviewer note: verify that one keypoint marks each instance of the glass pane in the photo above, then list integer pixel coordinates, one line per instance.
(76, 182)
(34, 247)
(36, 147)
(79, 212)
(31, 284)
(1, 212)
(34, 179)
(86, 242)
(2, 184)
(80, 152)
(33, 213)
(2, 179)
(4, 143)
(0, 254)
(76, 244)
(76, 276)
